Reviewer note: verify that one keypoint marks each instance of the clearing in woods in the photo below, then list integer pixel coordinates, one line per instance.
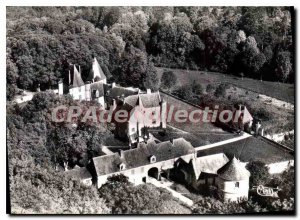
(281, 91)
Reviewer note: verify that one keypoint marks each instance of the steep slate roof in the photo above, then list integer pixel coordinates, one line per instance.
(80, 173)
(97, 70)
(150, 100)
(245, 114)
(131, 100)
(77, 81)
(252, 148)
(209, 164)
(107, 164)
(119, 91)
(98, 86)
(147, 100)
(140, 156)
(233, 171)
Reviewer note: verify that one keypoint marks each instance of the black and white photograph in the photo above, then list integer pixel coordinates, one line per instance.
(150, 110)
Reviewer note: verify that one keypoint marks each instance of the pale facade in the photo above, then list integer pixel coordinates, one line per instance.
(232, 190)
(233, 181)
(146, 111)
(87, 91)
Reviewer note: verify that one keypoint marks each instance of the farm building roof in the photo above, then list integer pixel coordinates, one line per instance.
(140, 156)
(252, 149)
(150, 100)
(209, 164)
(117, 91)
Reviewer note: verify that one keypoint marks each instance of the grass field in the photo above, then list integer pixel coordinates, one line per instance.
(281, 91)
(281, 114)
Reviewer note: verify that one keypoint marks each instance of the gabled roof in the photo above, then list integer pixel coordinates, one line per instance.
(150, 100)
(77, 80)
(121, 91)
(80, 173)
(252, 148)
(107, 164)
(97, 70)
(147, 100)
(244, 114)
(233, 171)
(131, 101)
(140, 156)
(209, 164)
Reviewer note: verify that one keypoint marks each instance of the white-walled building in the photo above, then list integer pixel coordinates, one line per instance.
(233, 181)
(138, 164)
(145, 111)
(89, 90)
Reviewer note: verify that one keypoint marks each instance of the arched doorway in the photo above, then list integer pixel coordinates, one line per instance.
(153, 172)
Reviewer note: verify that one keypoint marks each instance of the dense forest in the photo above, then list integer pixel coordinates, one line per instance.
(130, 41)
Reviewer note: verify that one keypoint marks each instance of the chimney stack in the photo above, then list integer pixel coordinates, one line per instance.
(148, 91)
(69, 77)
(121, 152)
(113, 85)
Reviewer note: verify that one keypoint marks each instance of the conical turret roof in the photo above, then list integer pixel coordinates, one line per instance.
(77, 81)
(233, 171)
(97, 71)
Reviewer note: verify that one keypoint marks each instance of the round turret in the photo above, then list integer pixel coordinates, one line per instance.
(233, 181)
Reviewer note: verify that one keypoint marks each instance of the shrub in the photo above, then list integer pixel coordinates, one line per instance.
(221, 90)
(259, 173)
(210, 88)
(168, 80)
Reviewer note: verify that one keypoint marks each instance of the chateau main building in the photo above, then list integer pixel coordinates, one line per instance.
(149, 106)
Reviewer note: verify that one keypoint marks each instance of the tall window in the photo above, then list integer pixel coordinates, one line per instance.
(237, 184)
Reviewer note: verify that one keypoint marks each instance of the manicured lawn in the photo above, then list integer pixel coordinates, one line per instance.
(281, 91)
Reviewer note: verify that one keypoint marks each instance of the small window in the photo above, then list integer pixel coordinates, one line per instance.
(122, 166)
(79, 89)
(237, 184)
(132, 129)
(154, 121)
(152, 159)
(153, 113)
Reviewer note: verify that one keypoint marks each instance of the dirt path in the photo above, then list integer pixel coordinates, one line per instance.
(243, 136)
(166, 185)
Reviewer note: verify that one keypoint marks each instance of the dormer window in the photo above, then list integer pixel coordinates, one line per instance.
(153, 159)
(122, 166)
